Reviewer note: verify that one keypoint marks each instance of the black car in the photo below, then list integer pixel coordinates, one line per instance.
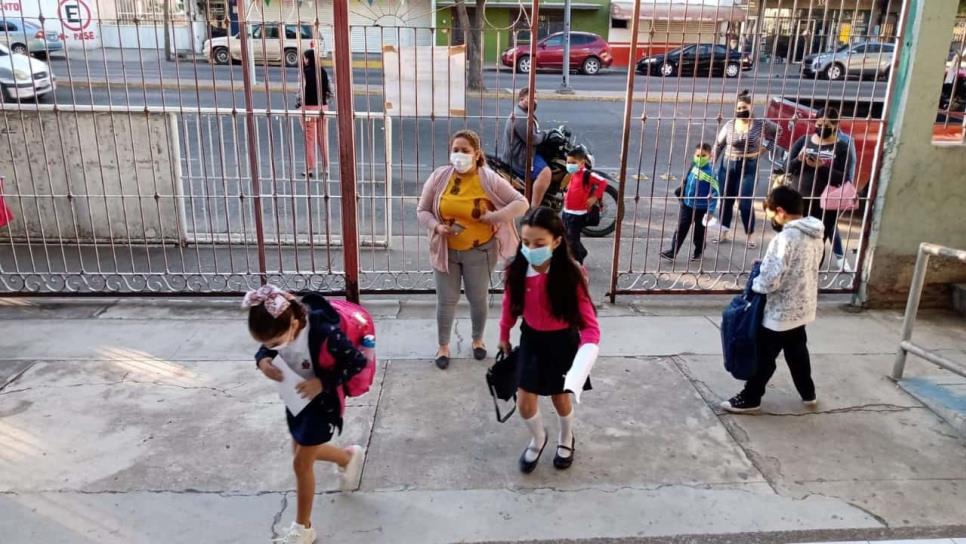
(696, 60)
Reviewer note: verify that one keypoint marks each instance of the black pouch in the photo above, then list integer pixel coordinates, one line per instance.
(501, 379)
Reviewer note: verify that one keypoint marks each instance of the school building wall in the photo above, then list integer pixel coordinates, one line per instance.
(922, 184)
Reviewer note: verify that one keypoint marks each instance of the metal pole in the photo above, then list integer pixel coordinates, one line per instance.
(912, 308)
(532, 85)
(250, 130)
(347, 152)
(565, 84)
(625, 149)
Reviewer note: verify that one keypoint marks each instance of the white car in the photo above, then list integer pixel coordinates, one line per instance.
(268, 44)
(22, 77)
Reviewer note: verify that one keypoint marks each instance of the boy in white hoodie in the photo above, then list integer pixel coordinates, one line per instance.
(789, 278)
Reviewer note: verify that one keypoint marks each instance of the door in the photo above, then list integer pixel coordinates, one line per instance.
(855, 62)
(579, 49)
(703, 60)
(686, 61)
(550, 52)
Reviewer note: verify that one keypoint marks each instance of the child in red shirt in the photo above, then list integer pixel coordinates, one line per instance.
(548, 289)
(584, 192)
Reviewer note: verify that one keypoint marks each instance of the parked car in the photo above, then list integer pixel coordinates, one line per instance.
(22, 77)
(861, 120)
(589, 53)
(701, 59)
(858, 59)
(269, 46)
(23, 37)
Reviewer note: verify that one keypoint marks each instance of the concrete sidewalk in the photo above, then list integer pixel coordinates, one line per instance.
(143, 421)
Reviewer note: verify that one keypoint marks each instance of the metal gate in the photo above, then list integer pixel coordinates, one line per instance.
(149, 175)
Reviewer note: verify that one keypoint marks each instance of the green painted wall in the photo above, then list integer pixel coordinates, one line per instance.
(496, 39)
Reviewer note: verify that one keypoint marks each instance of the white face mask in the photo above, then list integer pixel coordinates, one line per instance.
(462, 162)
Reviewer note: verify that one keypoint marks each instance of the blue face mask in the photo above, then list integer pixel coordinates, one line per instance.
(572, 168)
(536, 256)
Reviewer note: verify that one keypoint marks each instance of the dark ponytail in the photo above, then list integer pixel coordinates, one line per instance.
(565, 279)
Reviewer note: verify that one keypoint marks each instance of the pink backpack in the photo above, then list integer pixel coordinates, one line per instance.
(356, 323)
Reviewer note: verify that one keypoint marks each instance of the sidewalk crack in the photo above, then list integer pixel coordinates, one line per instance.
(278, 516)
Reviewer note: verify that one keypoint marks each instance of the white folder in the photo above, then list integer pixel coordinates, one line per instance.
(580, 369)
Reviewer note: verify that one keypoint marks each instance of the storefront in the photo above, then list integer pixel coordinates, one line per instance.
(373, 23)
(667, 24)
(507, 21)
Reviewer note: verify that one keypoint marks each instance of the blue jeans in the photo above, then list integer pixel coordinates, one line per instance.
(539, 163)
(738, 179)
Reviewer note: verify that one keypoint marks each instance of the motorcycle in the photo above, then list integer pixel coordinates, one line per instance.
(554, 149)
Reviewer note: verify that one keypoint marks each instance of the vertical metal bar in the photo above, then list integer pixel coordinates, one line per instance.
(912, 308)
(531, 84)
(250, 129)
(625, 149)
(347, 167)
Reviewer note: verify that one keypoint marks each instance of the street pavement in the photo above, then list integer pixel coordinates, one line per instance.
(145, 421)
(137, 68)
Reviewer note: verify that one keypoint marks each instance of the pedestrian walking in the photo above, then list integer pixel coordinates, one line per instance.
(583, 199)
(739, 144)
(698, 195)
(789, 279)
(819, 160)
(469, 211)
(287, 328)
(316, 95)
(548, 289)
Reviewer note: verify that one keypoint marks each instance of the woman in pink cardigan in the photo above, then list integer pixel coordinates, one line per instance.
(469, 211)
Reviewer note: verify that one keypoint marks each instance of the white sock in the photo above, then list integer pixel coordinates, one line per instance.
(535, 424)
(566, 433)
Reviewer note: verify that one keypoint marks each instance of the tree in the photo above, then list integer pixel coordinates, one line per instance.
(473, 38)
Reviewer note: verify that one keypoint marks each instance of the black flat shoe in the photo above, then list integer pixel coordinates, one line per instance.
(479, 353)
(563, 463)
(527, 467)
(442, 362)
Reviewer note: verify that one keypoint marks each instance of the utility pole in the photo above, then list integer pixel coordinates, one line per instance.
(565, 84)
(168, 55)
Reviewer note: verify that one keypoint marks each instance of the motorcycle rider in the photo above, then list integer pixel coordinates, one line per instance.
(515, 147)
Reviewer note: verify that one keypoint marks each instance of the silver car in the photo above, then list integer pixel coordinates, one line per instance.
(858, 59)
(23, 37)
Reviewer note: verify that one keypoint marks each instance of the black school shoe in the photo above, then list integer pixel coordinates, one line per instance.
(527, 467)
(479, 353)
(563, 463)
(442, 362)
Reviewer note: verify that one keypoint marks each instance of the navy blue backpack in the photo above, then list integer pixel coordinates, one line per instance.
(739, 330)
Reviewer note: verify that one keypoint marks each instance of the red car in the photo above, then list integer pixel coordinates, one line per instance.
(589, 53)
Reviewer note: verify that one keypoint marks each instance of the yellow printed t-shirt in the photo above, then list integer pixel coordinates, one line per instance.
(464, 202)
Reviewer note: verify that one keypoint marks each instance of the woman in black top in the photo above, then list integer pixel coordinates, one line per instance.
(818, 160)
(316, 94)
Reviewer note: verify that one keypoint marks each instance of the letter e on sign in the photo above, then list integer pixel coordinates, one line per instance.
(74, 14)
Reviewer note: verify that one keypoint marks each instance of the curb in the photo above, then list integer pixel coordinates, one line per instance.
(363, 90)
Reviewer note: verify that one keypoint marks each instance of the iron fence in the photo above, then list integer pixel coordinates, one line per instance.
(185, 170)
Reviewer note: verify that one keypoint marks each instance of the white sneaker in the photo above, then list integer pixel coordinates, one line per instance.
(810, 403)
(842, 264)
(352, 472)
(297, 534)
